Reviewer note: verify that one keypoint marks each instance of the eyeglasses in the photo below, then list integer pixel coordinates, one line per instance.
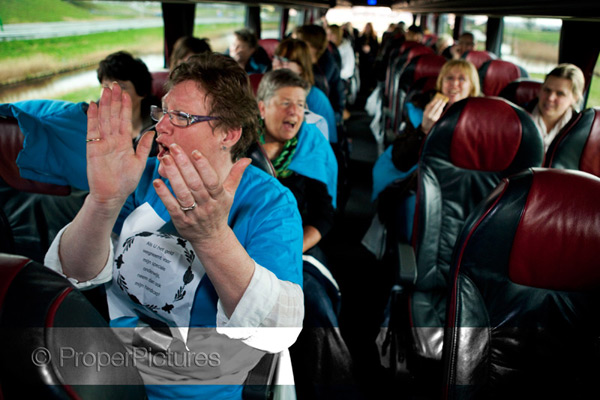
(178, 118)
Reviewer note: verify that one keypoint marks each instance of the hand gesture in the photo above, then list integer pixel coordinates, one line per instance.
(200, 208)
(113, 167)
(431, 114)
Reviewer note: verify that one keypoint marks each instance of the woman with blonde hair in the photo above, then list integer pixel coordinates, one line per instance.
(558, 100)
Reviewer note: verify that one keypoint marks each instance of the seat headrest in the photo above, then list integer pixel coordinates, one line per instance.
(487, 134)
(521, 91)
(496, 74)
(425, 66)
(269, 45)
(577, 146)
(478, 57)
(255, 81)
(159, 79)
(556, 241)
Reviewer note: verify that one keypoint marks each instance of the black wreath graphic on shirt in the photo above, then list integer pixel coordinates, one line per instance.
(188, 276)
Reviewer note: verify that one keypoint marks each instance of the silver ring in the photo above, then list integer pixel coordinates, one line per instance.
(190, 208)
(93, 140)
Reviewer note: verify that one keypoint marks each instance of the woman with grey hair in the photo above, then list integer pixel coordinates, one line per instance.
(558, 100)
(304, 162)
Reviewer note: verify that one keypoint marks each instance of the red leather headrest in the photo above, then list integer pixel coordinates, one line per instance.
(556, 243)
(428, 65)
(255, 81)
(590, 159)
(476, 143)
(159, 78)
(478, 57)
(499, 73)
(269, 45)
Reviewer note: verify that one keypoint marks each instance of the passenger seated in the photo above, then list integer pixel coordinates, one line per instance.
(294, 54)
(466, 42)
(304, 162)
(185, 47)
(457, 80)
(203, 241)
(558, 100)
(135, 79)
(245, 50)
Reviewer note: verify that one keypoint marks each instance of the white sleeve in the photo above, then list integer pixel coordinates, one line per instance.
(52, 261)
(269, 315)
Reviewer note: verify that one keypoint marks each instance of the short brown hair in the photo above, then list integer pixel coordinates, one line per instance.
(314, 35)
(229, 94)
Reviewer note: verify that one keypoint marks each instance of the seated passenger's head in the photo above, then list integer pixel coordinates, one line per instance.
(130, 73)
(187, 46)
(466, 42)
(562, 88)
(335, 34)
(242, 47)
(458, 79)
(294, 54)
(316, 38)
(281, 99)
(414, 34)
(444, 41)
(214, 86)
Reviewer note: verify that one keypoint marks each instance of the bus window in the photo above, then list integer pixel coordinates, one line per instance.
(594, 92)
(230, 16)
(296, 18)
(269, 17)
(477, 25)
(532, 43)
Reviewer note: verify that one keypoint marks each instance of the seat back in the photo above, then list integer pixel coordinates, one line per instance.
(474, 145)
(159, 79)
(255, 81)
(523, 309)
(578, 146)
(416, 69)
(11, 143)
(269, 45)
(494, 75)
(48, 327)
(523, 92)
(478, 57)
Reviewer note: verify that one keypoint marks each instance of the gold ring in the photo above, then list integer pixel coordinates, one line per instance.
(190, 208)
(93, 140)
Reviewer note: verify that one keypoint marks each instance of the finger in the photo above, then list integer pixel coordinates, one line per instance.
(166, 196)
(125, 116)
(104, 111)
(145, 145)
(188, 171)
(181, 190)
(92, 121)
(115, 108)
(234, 178)
(210, 178)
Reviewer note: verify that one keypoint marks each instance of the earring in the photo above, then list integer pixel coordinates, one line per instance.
(223, 148)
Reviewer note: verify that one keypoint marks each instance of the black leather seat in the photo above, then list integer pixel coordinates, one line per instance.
(523, 310)
(476, 143)
(56, 345)
(523, 92)
(577, 146)
(494, 75)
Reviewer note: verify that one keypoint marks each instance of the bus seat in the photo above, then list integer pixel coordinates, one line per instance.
(259, 157)
(578, 147)
(11, 143)
(475, 144)
(255, 81)
(523, 92)
(525, 288)
(478, 57)
(494, 75)
(47, 326)
(416, 69)
(159, 79)
(269, 45)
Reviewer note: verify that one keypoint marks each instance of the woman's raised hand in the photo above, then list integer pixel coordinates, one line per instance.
(113, 167)
(431, 114)
(202, 201)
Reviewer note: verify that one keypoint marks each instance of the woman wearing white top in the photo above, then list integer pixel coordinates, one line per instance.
(558, 98)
